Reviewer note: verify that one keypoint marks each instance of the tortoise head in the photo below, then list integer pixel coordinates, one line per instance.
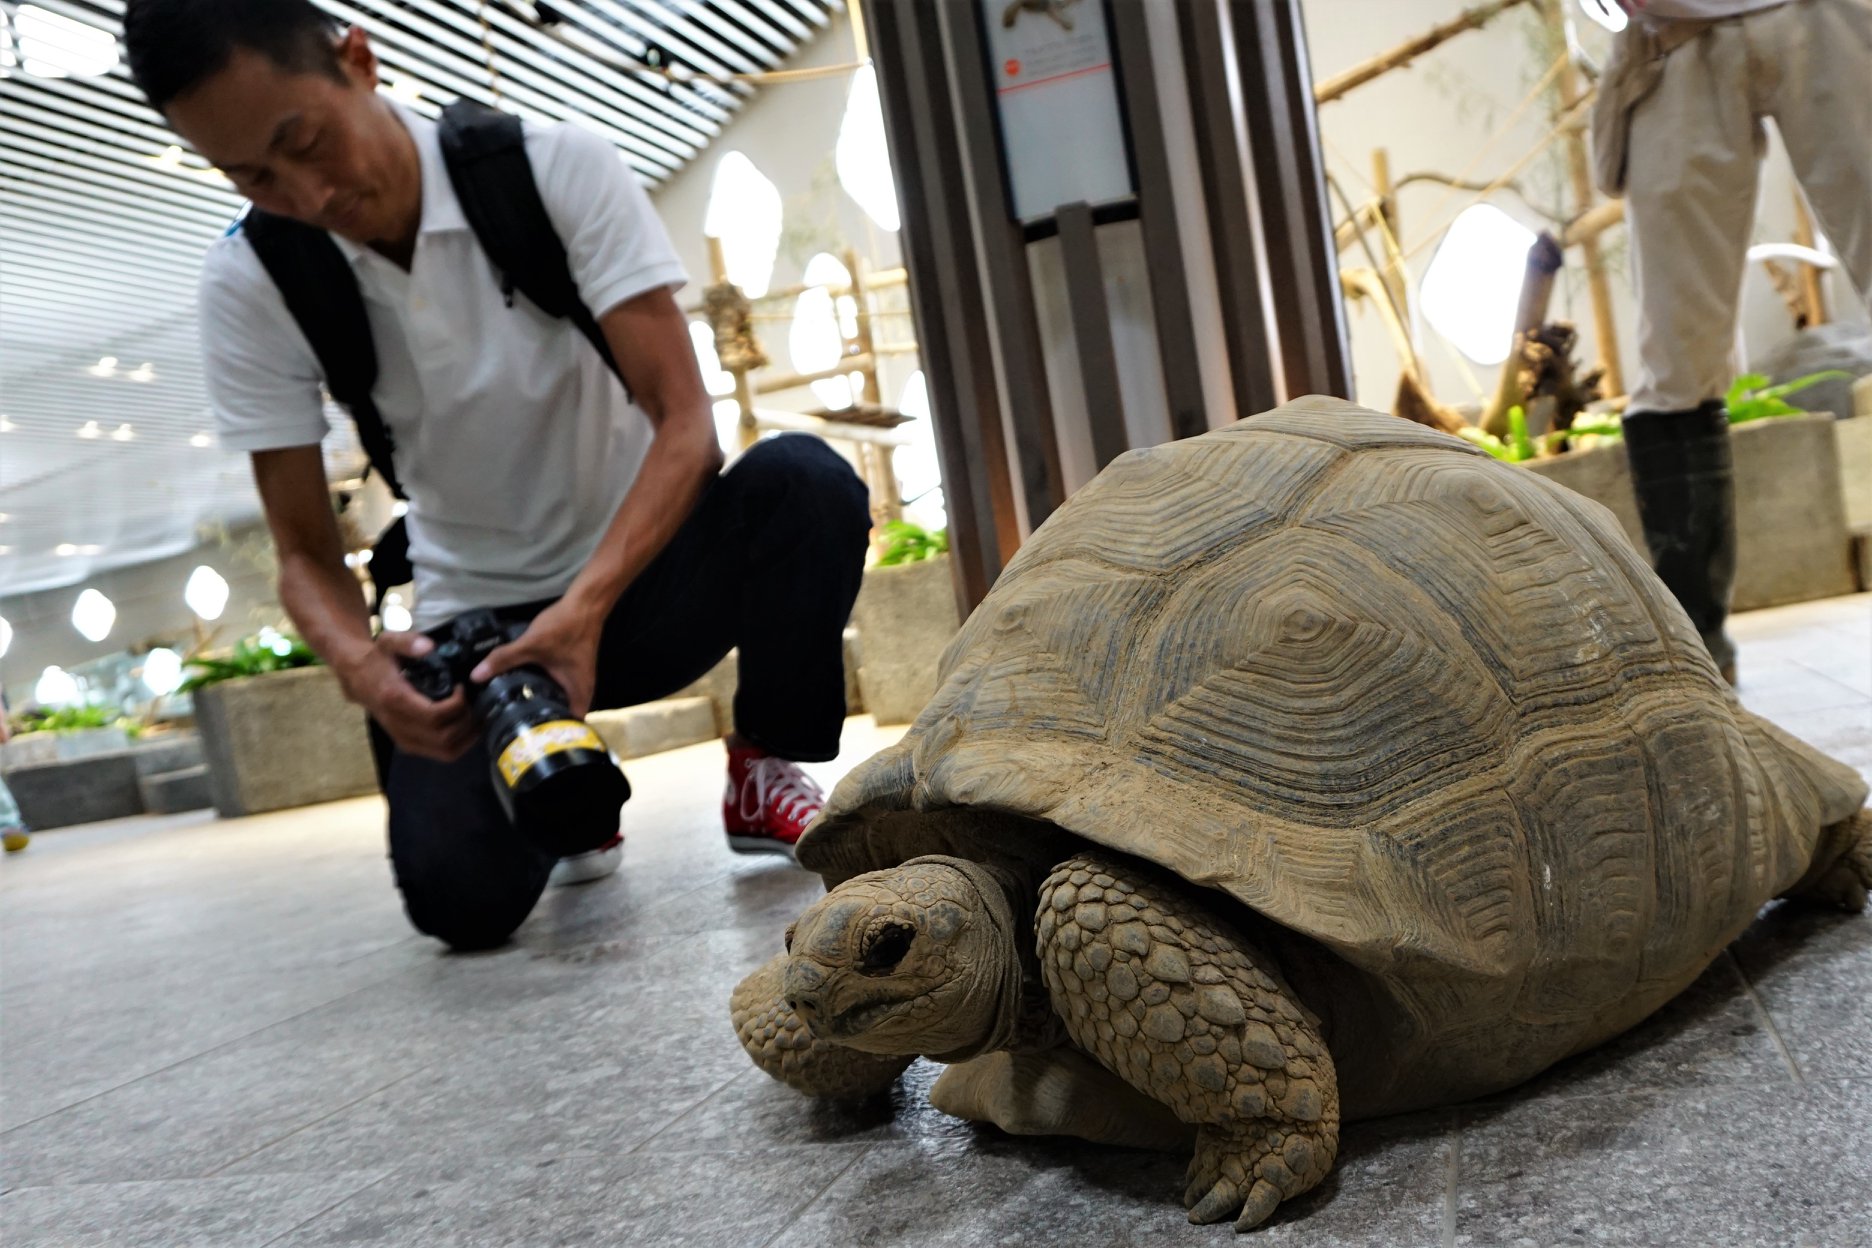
(915, 959)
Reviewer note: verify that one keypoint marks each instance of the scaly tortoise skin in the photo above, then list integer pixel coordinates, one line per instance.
(1313, 769)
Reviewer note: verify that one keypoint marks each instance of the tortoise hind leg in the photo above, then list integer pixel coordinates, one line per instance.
(1176, 1003)
(1842, 870)
(780, 1044)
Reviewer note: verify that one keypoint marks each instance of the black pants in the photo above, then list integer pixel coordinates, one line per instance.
(769, 562)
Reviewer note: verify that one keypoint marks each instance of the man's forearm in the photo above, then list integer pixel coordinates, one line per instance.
(684, 457)
(327, 605)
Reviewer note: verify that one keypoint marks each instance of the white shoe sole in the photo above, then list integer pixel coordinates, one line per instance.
(759, 845)
(584, 868)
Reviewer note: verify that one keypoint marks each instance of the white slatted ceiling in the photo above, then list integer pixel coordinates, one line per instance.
(100, 243)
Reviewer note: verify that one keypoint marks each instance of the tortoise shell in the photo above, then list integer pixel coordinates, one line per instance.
(1429, 715)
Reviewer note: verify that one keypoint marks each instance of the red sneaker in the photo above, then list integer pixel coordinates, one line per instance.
(769, 802)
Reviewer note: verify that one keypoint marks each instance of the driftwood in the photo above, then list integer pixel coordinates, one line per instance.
(1409, 50)
(1550, 371)
(1543, 262)
(1415, 402)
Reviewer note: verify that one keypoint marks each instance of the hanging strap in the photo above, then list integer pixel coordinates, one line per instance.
(485, 152)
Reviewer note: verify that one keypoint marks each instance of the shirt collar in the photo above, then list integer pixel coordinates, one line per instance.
(441, 210)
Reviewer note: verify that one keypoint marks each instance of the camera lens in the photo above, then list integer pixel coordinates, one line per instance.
(553, 774)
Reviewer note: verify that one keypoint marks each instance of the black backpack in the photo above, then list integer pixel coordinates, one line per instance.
(488, 167)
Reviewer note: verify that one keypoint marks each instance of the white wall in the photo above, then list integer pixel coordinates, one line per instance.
(790, 131)
(1435, 115)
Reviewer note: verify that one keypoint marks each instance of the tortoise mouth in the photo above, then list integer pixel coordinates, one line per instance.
(857, 1019)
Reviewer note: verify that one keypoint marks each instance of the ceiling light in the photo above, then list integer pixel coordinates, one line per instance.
(52, 45)
(206, 593)
(1607, 13)
(404, 91)
(143, 372)
(6, 636)
(202, 440)
(717, 380)
(6, 550)
(105, 367)
(90, 430)
(64, 550)
(1472, 288)
(123, 433)
(92, 615)
(7, 426)
(56, 687)
(4, 517)
(396, 616)
(162, 671)
(744, 213)
(862, 157)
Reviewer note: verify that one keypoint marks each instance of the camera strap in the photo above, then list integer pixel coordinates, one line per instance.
(484, 151)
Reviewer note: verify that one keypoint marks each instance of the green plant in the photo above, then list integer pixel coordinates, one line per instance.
(63, 719)
(251, 656)
(1750, 397)
(1516, 448)
(904, 542)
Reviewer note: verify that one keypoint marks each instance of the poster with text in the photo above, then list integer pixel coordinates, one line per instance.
(1056, 92)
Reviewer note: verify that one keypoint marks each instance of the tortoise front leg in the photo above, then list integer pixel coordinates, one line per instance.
(1176, 1003)
(780, 1044)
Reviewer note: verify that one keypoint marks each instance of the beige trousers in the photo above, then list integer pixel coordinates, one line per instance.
(1695, 153)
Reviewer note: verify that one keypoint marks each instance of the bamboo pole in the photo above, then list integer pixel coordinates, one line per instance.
(1812, 297)
(1389, 233)
(793, 381)
(1593, 222)
(1409, 50)
(743, 391)
(1580, 171)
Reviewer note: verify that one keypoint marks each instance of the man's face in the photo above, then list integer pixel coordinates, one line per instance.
(326, 151)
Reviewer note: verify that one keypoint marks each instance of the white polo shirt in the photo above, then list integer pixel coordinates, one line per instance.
(514, 441)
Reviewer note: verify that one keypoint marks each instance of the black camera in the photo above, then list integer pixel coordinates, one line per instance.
(555, 778)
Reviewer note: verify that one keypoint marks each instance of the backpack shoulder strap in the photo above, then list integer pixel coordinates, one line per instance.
(321, 293)
(485, 152)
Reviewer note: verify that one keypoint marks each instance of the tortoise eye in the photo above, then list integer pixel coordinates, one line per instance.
(887, 948)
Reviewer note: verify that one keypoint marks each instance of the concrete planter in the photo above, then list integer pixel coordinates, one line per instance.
(1793, 543)
(282, 739)
(34, 749)
(905, 616)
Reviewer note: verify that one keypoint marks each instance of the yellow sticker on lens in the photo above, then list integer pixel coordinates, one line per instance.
(536, 742)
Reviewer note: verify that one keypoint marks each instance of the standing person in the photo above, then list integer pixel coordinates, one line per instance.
(14, 834)
(537, 484)
(1678, 131)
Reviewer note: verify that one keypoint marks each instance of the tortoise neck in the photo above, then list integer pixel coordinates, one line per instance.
(1011, 999)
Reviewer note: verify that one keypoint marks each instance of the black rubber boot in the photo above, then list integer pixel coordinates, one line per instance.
(1684, 476)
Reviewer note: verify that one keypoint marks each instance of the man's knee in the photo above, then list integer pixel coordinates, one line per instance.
(469, 909)
(783, 470)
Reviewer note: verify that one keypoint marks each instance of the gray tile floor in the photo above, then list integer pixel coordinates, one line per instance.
(224, 1034)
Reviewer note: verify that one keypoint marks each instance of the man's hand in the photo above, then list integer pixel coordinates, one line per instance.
(442, 731)
(562, 639)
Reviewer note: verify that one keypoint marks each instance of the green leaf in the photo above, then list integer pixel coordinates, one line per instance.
(1520, 446)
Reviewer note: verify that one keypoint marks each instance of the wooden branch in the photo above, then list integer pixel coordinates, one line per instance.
(1409, 50)
(1815, 311)
(1364, 281)
(1593, 222)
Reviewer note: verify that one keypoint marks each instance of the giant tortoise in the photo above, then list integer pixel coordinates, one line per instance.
(1317, 768)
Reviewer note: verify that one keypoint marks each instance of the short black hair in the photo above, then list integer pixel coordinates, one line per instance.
(173, 46)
